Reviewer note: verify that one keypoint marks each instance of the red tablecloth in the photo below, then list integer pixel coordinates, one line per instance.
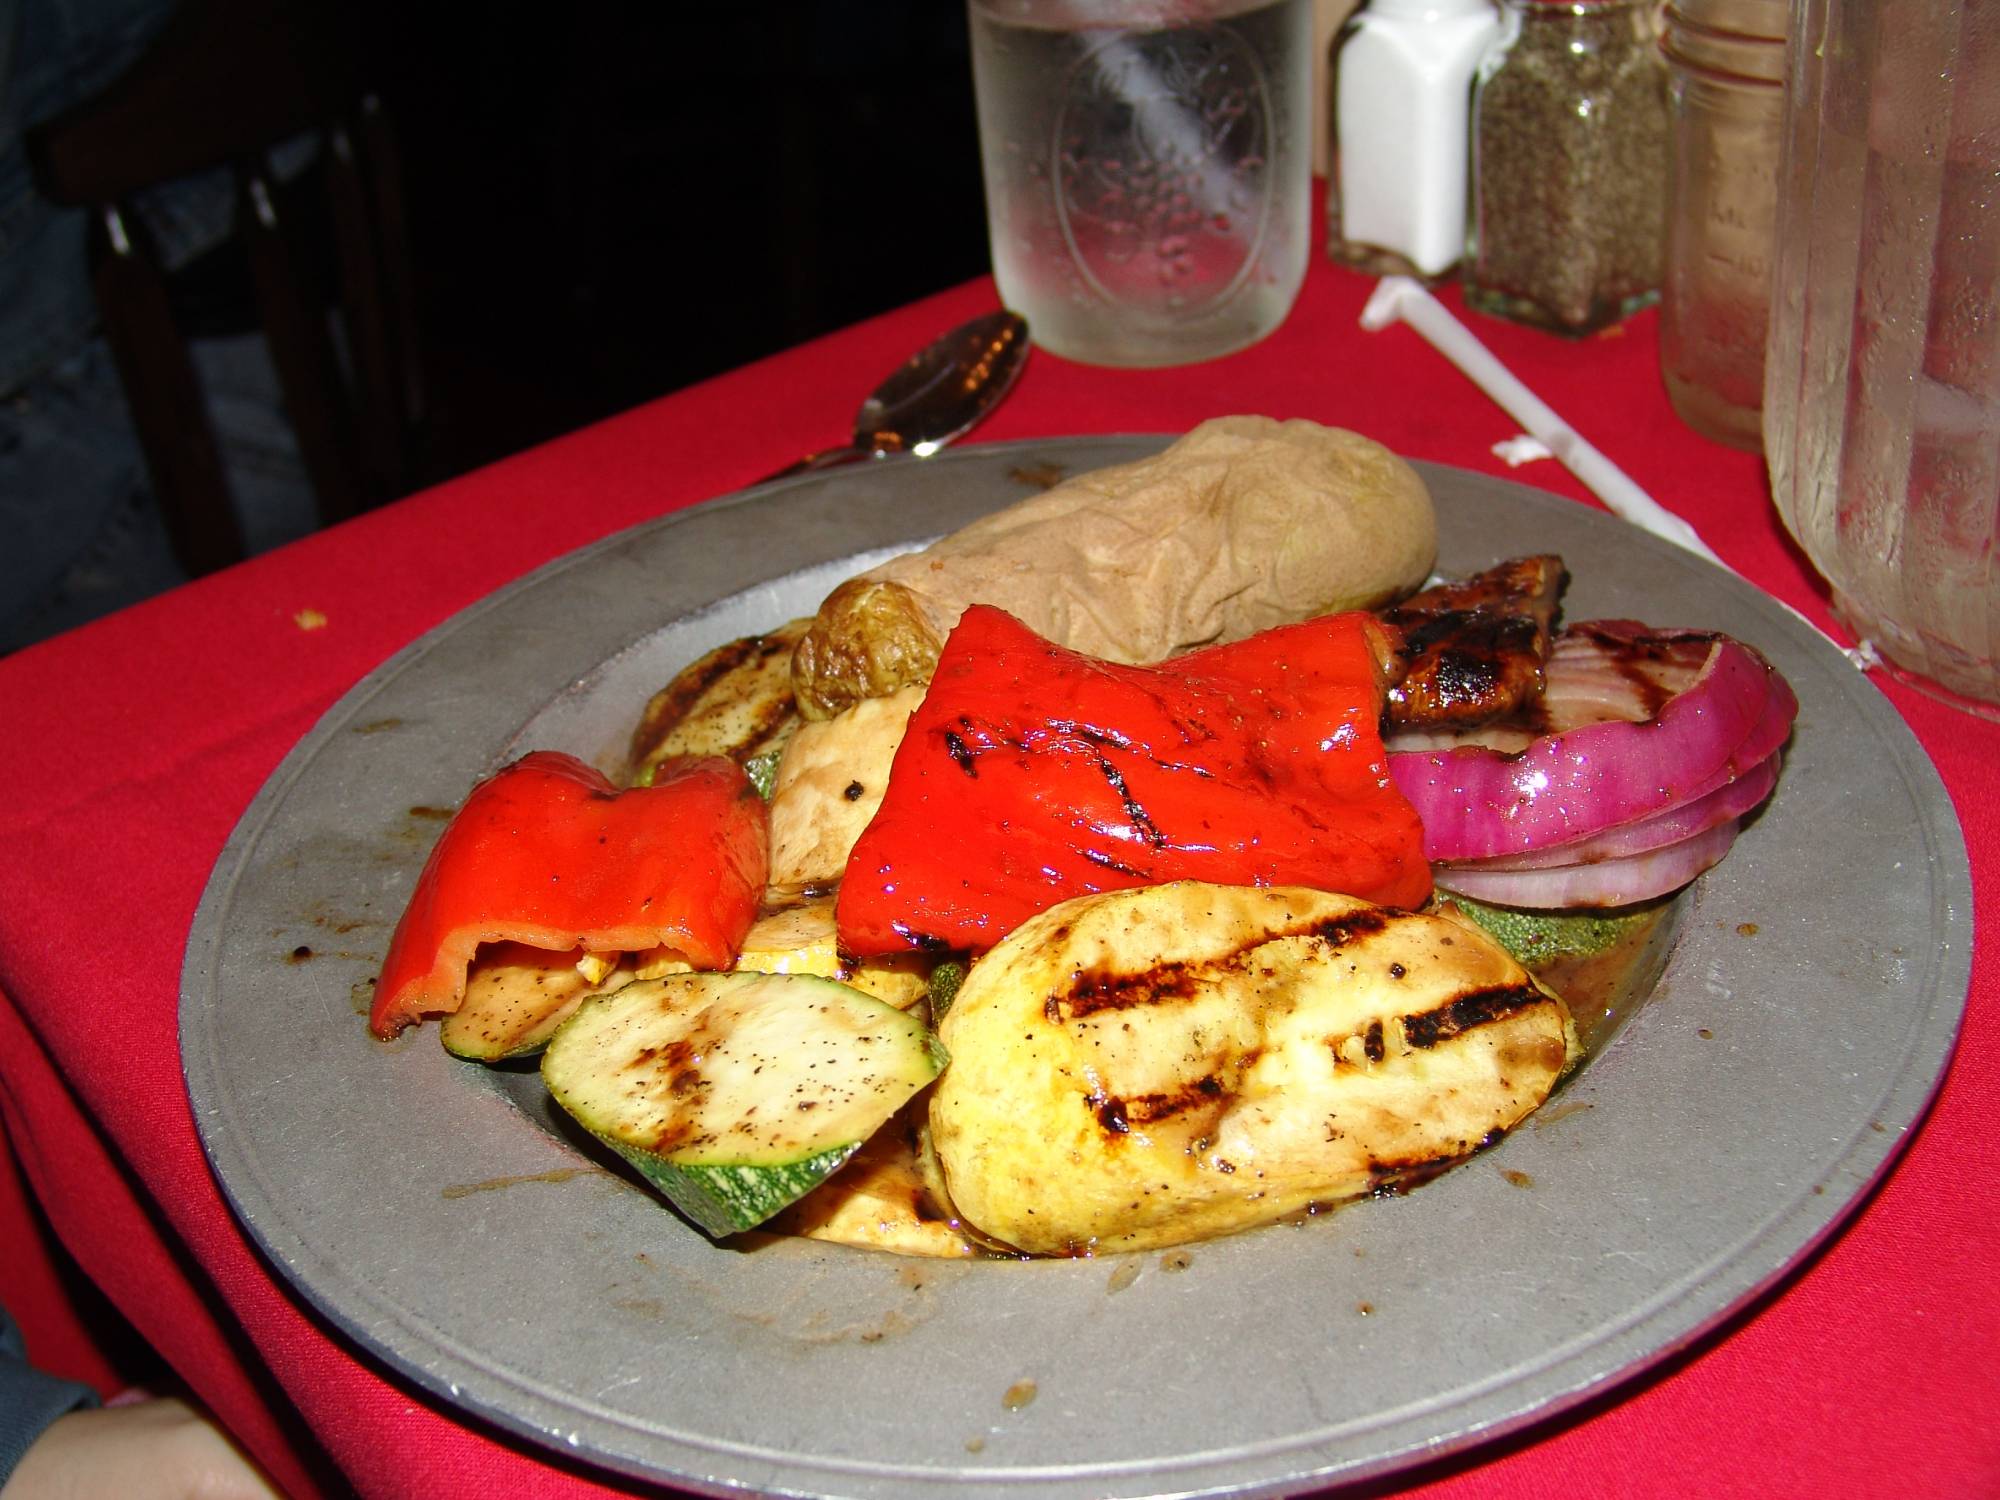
(133, 745)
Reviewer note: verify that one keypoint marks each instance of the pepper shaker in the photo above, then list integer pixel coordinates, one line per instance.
(1569, 165)
(1400, 78)
(1726, 61)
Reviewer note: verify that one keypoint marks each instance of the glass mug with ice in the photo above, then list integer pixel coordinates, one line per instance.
(1147, 169)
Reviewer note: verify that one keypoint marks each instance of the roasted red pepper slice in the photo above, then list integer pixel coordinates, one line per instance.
(1031, 774)
(549, 853)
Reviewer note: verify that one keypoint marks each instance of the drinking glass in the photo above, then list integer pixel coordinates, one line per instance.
(1148, 170)
(1882, 374)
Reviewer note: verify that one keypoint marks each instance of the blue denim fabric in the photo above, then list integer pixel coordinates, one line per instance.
(53, 54)
(29, 1399)
(68, 463)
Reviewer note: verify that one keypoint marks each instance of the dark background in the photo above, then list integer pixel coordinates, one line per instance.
(615, 198)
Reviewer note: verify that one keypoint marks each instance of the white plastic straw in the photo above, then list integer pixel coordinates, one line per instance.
(1398, 298)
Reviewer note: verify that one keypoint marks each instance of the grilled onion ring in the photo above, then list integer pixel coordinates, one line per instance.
(1724, 713)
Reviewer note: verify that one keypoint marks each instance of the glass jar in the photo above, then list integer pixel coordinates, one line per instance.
(1569, 143)
(1726, 68)
(1400, 83)
(1882, 375)
(1148, 170)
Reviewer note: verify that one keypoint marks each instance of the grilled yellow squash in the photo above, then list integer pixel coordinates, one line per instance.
(879, 1201)
(1145, 1067)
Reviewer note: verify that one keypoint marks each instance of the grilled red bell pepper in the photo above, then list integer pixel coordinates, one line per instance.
(1031, 774)
(549, 853)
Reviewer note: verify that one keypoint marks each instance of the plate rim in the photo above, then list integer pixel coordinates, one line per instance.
(1929, 1048)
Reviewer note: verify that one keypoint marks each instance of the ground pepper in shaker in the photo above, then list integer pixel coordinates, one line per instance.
(1726, 62)
(1400, 79)
(1569, 169)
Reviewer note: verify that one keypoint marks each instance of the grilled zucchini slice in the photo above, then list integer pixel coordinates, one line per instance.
(736, 1094)
(794, 934)
(734, 701)
(515, 998)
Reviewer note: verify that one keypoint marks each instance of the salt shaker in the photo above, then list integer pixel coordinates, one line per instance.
(1400, 75)
(1569, 169)
(1726, 62)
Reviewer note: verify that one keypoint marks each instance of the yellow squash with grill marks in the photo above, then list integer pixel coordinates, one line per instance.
(1146, 1067)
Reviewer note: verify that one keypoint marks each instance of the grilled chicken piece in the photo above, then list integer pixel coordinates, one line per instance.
(1596, 670)
(1140, 1068)
(1473, 651)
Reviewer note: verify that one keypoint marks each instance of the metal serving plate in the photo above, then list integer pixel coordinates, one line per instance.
(455, 1228)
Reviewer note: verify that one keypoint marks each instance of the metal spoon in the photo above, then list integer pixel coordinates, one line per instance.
(935, 395)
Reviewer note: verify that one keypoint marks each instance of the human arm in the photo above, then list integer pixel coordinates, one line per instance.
(57, 1444)
(30, 1401)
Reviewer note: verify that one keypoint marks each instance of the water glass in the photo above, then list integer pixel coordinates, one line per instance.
(1148, 170)
(1882, 374)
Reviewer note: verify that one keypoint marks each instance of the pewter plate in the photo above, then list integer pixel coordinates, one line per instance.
(454, 1228)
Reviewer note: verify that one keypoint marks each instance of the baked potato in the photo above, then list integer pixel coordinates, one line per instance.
(1242, 524)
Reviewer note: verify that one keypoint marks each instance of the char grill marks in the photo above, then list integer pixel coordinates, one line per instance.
(727, 676)
(1473, 651)
(1444, 1023)
(1094, 990)
(1608, 669)
(1214, 1079)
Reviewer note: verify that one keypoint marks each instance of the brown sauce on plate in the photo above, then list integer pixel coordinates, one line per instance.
(1605, 989)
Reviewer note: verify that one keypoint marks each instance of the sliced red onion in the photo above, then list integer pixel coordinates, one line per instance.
(1727, 802)
(1566, 786)
(1618, 669)
(1608, 882)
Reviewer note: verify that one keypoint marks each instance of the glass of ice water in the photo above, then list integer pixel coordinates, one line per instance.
(1147, 167)
(1882, 373)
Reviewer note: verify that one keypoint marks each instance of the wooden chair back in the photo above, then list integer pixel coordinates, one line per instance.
(224, 83)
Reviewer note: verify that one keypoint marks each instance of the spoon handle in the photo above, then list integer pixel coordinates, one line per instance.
(826, 458)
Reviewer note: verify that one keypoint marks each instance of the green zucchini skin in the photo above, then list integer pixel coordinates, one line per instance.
(1538, 936)
(723, 1200)
(735, 1094)
(515, 998)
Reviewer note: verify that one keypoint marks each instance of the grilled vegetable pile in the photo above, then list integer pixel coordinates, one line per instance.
(963, 940)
